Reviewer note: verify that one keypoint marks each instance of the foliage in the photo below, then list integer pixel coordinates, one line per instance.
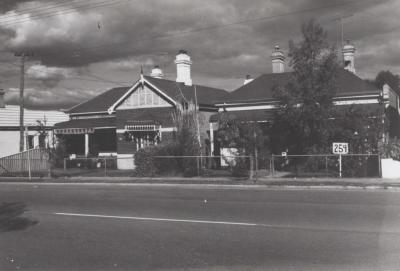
(391, 149)
(362, 128)
(186, 142)
(386, 77)
(248, 138)
(187, 137)
(300, 125)
(148, 164)
(58, 153)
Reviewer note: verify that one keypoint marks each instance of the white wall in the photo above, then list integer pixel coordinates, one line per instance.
(9, 142)
(390, 169)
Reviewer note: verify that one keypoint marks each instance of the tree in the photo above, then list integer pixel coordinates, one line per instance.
(386, 77)
(300, 124)
(248, 138)
(187, 137)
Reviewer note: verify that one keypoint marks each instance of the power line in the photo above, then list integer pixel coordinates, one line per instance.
(43, 7)
(208, 28)
(98, 79)
(62, 11)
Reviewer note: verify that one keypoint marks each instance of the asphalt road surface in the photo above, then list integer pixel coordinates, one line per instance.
(100, 227)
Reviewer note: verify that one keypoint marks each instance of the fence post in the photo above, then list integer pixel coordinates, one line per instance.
(29, 165)
(326, 166)
(251, 168)
(380, 166)
(105, 166)
(273, 166)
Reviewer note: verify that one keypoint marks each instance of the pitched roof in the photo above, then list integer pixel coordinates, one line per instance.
(260, 89)
(205, 95)
(100, 103)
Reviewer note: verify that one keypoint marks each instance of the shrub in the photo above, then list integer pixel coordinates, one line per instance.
(391, 149)
(240, 168)
(58, 154)
(148, 164)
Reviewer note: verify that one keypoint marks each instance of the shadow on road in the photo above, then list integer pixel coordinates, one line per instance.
(11, 217)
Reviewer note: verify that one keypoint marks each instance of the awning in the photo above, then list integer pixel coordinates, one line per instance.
(84, 126)
(74, 131)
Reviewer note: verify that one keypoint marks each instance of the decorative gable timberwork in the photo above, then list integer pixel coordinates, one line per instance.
(143, 97)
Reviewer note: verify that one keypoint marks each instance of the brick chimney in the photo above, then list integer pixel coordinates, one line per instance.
(183, 67)
(2, 102)
(349, 51)
(278, 61)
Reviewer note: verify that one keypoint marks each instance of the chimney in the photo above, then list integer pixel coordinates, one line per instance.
(156, 72)
(348, 56)
(2, 102)
(278, 61)
(183, 64)
(247, 80)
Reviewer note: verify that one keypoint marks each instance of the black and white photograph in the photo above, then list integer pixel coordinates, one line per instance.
(199, 135)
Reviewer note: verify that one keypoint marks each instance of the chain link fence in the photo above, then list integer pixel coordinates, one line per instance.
(326, 165)
(36, 163)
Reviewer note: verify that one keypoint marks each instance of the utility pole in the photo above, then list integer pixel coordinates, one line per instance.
(23, 56)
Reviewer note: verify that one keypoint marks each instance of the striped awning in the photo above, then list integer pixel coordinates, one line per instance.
(74, 131)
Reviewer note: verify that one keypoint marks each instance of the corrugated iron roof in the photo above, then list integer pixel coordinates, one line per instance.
(100, 103)
(205, 95)
(260, 89)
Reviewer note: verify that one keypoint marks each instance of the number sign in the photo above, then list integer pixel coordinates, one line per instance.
(340, 148)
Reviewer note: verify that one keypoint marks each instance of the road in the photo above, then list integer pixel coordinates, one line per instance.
(112, 227)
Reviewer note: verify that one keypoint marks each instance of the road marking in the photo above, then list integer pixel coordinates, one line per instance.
(231, 223)
(165, 219)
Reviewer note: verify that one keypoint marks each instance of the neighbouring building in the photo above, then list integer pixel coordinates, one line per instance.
(122, 120)
(38, 126)
(254, 100)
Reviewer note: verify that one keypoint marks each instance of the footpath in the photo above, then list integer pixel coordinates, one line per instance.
(316, 183)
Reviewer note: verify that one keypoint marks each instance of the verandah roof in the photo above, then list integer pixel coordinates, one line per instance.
(80, 126)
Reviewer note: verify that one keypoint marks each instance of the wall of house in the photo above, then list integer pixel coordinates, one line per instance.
(161, 116)
(9, 143)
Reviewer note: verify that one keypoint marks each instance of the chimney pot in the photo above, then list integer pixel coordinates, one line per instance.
(248, 79)
(156, 72)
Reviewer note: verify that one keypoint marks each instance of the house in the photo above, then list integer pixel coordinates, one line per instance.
(35, 121)
(122, 120)
(254, 100)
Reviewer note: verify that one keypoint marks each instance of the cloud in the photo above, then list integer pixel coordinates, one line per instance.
(49, 76)
(112, 42)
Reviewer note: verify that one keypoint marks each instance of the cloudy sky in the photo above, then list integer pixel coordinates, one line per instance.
(82, 48)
